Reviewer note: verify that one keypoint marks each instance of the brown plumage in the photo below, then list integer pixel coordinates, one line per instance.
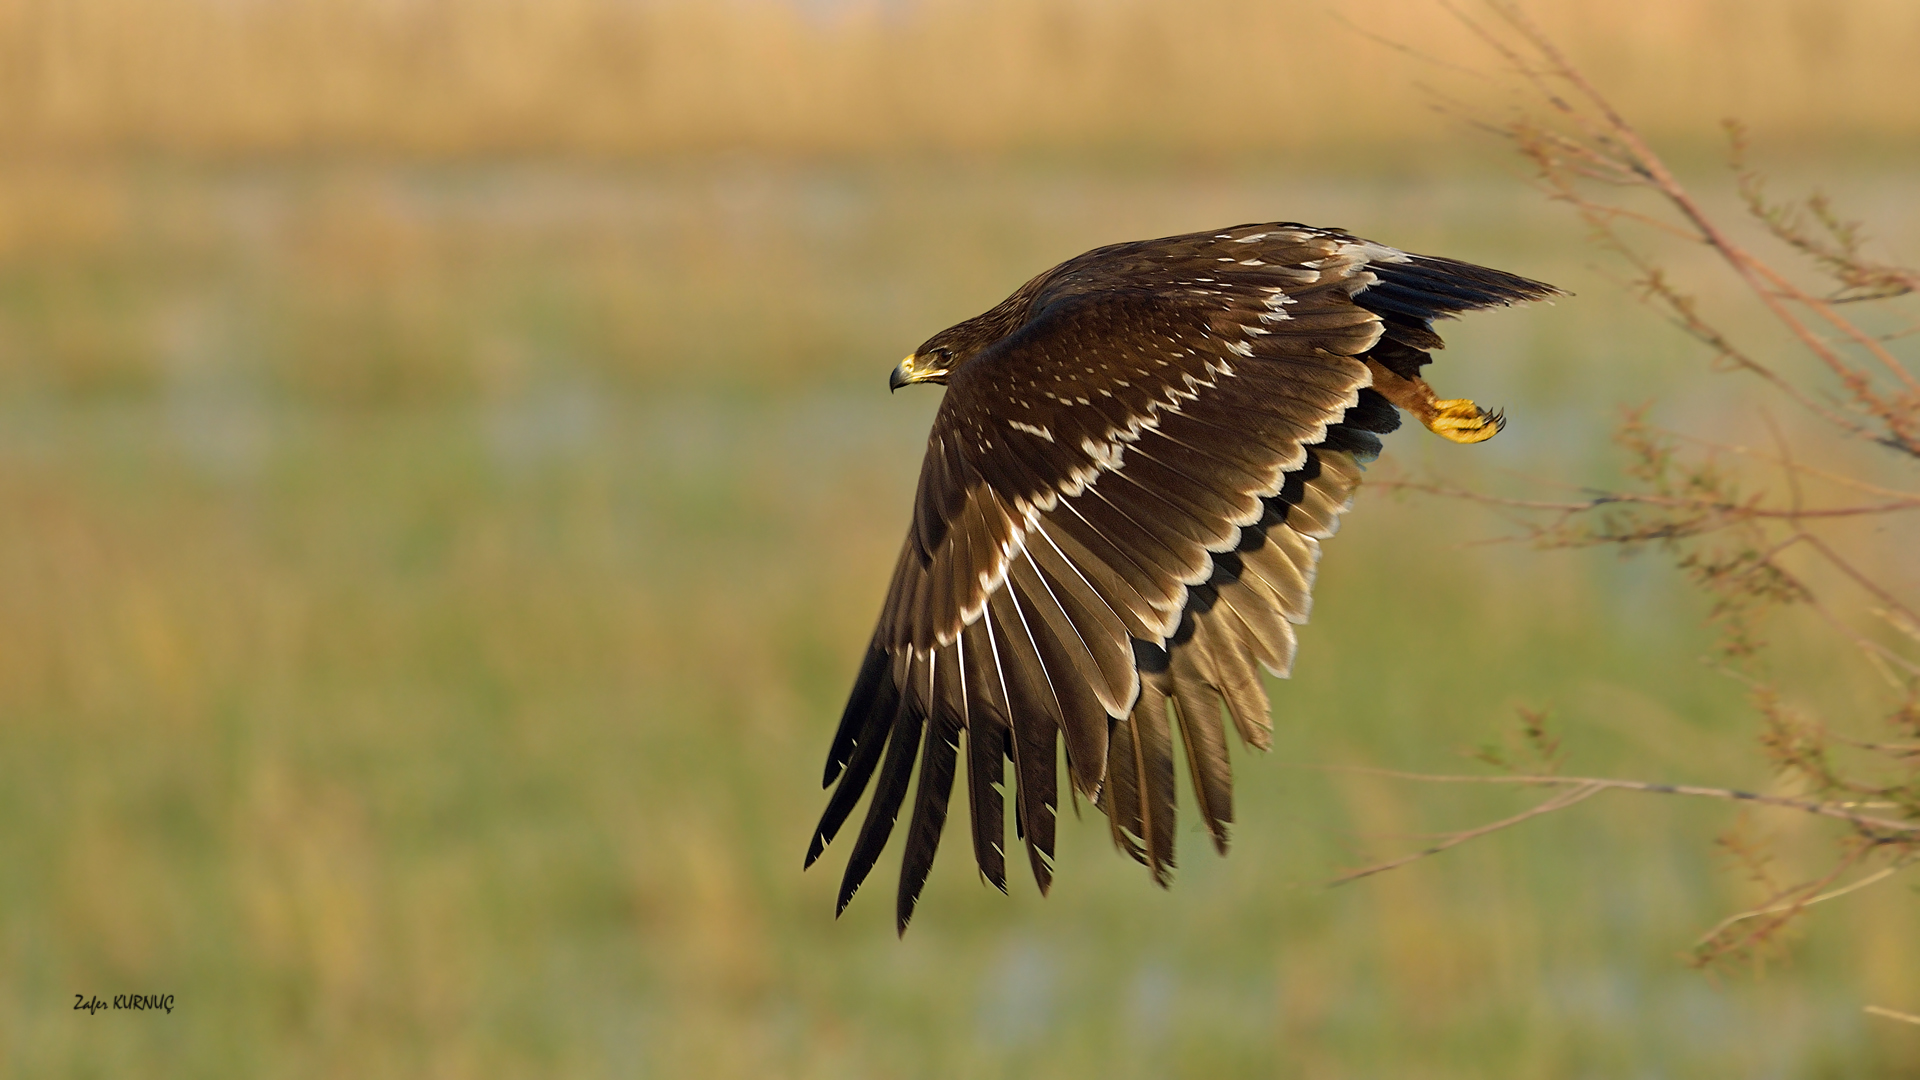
(1117, 525)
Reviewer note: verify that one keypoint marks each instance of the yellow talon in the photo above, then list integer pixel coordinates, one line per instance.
(1461, 421)
(1454, 419)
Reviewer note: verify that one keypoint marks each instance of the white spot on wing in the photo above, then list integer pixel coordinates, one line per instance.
(1368, 251)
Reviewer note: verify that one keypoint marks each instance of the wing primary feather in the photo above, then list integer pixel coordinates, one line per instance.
(950, 591)
(1107, 630)
(1205, 740)
(1201, 464)
(1265, 630)
(1230, 448)
(1176, 512)
(1026, 575)
(1162, 567)
(1153, 774)
(1069, 667)
(1233, 672)
(938, 757)
(1120, 795)
(1036, 718)
(1191, 496)
(890, 790)
(987, 753)
(868, 685)
(1117, 579)
(1034, 752)
(883, 709)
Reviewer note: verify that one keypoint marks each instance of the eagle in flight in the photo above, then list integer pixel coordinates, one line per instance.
(1117, 524)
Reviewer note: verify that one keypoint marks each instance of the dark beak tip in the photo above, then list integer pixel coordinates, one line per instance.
(897, 378)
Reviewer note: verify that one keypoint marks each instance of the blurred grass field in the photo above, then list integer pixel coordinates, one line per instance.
(435, 542)
(428, 592)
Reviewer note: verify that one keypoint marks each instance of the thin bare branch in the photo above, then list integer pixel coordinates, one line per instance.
(1798, 500)
(1797, 466)
(1775, 915)
(1618, 498)
(1559, 801)
(1837, 811)
(1841, 564)
(1890, 1014)
(1883, 657)
(1874, 878)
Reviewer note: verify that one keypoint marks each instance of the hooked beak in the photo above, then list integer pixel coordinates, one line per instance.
(919, 369)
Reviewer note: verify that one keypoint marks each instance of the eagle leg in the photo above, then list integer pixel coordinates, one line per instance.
(1454, 419)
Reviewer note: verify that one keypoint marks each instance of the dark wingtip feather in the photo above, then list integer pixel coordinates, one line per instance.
(939, 759)
(889, 791)
(1042, 869)
(1473, 281)
(987, 752)
(868, 686)
(1430, 287)
(862, 756)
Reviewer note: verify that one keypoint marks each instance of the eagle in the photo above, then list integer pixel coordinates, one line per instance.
(1117, 524)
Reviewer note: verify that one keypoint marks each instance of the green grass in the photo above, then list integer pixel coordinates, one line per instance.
(428, 594)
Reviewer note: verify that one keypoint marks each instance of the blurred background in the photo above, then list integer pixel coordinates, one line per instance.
(447, 480)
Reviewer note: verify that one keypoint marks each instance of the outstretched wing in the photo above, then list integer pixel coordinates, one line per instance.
(1119, 513)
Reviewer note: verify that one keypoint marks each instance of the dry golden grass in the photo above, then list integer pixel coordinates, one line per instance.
(624, 77)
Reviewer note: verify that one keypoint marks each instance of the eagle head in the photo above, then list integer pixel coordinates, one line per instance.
(946, 351)
(930, 364)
